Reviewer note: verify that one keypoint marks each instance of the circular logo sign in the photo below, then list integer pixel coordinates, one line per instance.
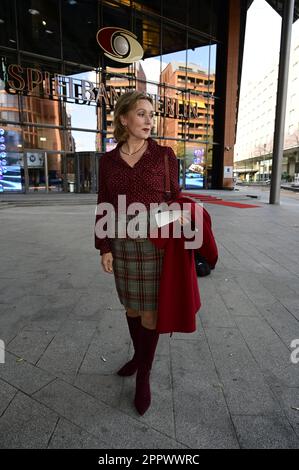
(119, 44)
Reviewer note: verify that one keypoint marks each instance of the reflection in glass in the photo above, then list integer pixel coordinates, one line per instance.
(82, 112)
(84, 141)
(8, 24)
(10, 158)
(45, 138)
(187, 85)
(79, 27)
(204, 16)
(202, 60)
(182, 85)
(57, 113)
(40, 31)
(9, 105)
(45, 171)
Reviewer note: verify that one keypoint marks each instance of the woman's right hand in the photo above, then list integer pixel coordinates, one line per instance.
(106, 262)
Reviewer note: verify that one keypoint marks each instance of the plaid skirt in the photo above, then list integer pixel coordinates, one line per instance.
(137, 267)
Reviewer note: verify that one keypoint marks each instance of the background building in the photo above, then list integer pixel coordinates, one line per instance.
(195, 128)
(58, 87)
(255, 127)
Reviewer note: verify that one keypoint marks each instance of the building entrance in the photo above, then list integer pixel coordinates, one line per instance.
(42, 171)
(48, 171)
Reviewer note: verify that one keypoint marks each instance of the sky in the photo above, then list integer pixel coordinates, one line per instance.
(262, 39)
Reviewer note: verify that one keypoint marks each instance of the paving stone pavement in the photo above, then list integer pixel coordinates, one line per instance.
(230, 384)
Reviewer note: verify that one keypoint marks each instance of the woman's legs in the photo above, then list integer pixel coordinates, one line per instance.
(146, 352)
(134, 323)
(149, 319)
(135, 319)
(132, 313)
(142, 327)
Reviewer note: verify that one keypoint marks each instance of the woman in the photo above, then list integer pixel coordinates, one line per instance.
(136, 169)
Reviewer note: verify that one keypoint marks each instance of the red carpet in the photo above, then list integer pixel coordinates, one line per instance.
(216, 200)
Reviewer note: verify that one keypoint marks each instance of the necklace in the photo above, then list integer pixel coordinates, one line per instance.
(133, 153)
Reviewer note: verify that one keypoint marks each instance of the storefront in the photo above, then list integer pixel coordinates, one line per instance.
(59, 83)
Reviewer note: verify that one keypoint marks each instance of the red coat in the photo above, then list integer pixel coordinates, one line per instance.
(179, 298)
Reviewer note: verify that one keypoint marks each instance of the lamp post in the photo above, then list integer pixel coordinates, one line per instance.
(281, 99)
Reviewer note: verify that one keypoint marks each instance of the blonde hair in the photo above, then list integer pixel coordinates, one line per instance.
(124, 104)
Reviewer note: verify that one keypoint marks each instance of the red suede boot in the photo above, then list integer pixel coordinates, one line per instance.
(146, 352)
(130, 367)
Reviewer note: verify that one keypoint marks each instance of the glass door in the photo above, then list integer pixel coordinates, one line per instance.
(85, 172)
(55, 171)
(70, 173)
(45, 172)
(36, 171)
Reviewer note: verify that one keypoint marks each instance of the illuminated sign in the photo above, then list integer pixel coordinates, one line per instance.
(198, 156)
(10, 171)
(119, 45)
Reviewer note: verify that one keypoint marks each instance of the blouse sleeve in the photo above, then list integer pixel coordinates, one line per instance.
(173, 173)
(102, 244)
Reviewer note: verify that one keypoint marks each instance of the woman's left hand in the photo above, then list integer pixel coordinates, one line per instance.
(183, 220)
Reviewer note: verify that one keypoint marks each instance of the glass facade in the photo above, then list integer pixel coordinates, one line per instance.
(58, 88)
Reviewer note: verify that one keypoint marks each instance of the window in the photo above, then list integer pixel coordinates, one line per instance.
(40, 31)
(7, 24)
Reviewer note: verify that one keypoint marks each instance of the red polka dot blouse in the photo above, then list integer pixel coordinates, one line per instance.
(144, 182)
